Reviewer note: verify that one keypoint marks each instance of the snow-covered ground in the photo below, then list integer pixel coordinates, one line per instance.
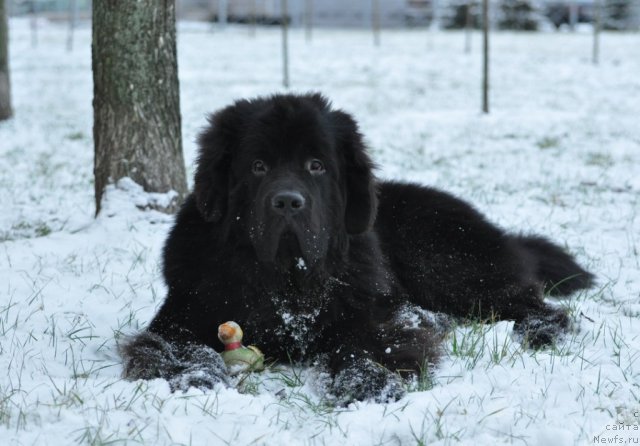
(558, 155)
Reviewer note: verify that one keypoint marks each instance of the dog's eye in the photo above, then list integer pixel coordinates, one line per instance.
(259, 167)
(315, 167)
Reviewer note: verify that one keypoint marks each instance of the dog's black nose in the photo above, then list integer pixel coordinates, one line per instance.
(287, 202)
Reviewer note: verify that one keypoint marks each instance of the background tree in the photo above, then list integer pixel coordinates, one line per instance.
(136, 101)
(5, 85)
(620, 14)
(459, 14)
(521, 15)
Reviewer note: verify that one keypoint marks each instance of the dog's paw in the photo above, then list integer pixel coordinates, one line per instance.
(366, 380)
(542, 330)
(203, 368)
(199, 378)
(149, 356)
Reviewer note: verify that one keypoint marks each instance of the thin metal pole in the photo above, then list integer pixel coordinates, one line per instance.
(485, 56)
(72, 24)
(467, 27)
(34, 23)
(285, 44)
(573, 15)
(254, 18)
(375, 21)
(595, 57)
(435, 19)
(308, 19)
(223, 13)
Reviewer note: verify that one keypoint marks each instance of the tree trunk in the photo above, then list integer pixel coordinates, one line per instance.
(136, 100)
(5, 86)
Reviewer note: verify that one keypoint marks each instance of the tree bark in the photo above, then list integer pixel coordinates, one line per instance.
(136, 100)
(5, 86)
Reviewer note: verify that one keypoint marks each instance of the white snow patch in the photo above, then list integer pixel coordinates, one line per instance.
(126, 192)
(300, 264)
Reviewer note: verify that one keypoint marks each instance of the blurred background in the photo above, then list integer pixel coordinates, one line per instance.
(529, 15)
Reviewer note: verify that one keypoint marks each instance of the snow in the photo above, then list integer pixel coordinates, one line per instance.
(558, 155)
(300, 264)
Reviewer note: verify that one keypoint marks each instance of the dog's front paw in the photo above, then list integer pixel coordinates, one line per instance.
(367, 380)
(203, 369)
(199, 378)
(148, 356)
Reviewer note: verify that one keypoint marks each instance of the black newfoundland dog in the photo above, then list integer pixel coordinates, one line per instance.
(289, 233)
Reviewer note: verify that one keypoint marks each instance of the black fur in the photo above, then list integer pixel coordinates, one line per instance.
(555, 268)
(370, 251)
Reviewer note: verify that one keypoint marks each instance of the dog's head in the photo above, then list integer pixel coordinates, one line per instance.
(287, 172)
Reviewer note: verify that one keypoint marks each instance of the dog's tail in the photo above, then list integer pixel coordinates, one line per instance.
(556, 268)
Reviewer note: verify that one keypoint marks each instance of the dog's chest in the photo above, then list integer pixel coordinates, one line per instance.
(301, 317)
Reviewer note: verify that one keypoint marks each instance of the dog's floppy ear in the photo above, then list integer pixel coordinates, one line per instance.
(211, 180)
(361, 191)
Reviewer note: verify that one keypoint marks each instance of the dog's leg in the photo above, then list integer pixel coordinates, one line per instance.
(361, 378)
(372, 367)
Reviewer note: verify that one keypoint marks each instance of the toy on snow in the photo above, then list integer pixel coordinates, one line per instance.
(236, 356)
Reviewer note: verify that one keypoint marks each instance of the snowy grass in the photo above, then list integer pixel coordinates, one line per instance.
(559, 155)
